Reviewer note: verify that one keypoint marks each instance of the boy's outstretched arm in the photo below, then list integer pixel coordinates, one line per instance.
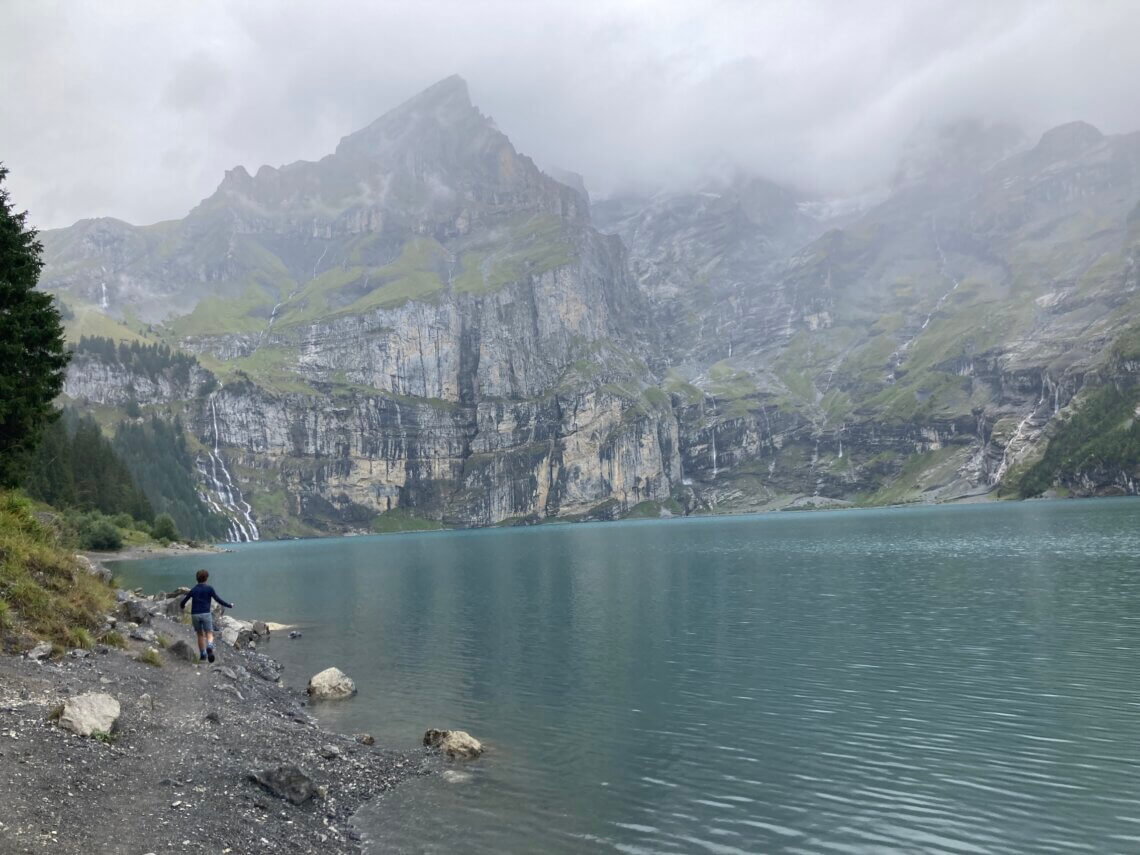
(214, 594)
(182, 604)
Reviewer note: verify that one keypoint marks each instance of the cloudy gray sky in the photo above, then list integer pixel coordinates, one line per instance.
(135, 109)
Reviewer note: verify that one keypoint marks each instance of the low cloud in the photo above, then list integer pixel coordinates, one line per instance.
(136, 109)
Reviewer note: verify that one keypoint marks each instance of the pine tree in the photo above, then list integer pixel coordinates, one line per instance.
(32, 354)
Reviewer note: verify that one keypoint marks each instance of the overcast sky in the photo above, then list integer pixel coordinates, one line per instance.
(135, 109)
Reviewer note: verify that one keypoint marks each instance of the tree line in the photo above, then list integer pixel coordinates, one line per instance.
(151, 360)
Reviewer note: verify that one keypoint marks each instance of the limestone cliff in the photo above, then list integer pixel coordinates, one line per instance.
(423, 328)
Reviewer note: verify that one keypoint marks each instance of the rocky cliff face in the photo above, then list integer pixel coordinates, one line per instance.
(423, 328)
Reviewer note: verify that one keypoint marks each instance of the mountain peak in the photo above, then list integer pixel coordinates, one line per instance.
(1068, 139)
(444, 104)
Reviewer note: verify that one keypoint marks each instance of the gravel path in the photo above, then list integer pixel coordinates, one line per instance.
(176, 777)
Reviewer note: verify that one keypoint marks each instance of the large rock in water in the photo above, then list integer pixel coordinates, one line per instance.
(234, 632)
(454, 743)
(332, 684)
(285, 782)
(93, 712)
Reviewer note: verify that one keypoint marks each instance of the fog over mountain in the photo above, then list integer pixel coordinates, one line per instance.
(138, 109)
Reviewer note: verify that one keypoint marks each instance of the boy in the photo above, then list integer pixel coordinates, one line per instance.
(200, 616)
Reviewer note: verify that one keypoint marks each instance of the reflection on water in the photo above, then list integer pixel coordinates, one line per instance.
(950, 679)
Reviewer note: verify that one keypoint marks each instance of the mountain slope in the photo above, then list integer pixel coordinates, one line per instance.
(421, 321)
(954, 320)
(423, 328)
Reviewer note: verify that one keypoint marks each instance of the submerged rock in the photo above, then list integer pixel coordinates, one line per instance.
(332, 684)
(285, 782)
(92, 712)
(456, 744)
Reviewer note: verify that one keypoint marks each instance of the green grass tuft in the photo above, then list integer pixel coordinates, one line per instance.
(150, 657)
(113, 639)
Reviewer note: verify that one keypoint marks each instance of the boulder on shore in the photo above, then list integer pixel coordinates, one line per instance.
(285, 782)
(456, 744)
(234, 632)
(332, 684)
(136, 610)
(93, 712)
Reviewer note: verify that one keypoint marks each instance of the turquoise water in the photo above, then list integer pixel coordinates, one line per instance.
(944, 679)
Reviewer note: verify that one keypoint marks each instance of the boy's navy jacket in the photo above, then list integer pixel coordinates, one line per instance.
(201, 594)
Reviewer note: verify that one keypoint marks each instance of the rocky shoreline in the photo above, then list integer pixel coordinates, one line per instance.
(215, 758)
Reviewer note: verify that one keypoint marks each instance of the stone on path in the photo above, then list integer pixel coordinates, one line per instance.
(183, 651)
(285, 782)
(92, 712)
(456, 744)
(331, 685)
(40, 651)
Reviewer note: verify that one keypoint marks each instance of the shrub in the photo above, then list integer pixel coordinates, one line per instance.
(101, 534)
(123, 520)
(164, 528)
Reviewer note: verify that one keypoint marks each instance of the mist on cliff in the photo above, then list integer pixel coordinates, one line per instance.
(135, 109)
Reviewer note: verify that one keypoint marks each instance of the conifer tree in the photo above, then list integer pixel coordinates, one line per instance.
(32, 354)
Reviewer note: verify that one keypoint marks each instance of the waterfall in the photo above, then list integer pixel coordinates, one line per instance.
(222, 494)
(714, 452)
(103, 303)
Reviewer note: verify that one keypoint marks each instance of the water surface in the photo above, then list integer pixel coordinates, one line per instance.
(945, 679)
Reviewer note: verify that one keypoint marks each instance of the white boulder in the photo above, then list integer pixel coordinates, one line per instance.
(332, 684)
(456, 744)
(93, 712)
(230, 628)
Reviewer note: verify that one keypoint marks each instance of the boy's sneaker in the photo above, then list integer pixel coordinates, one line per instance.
(201, 657)
(210, 653)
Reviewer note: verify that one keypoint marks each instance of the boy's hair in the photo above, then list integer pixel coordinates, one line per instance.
(203, 575)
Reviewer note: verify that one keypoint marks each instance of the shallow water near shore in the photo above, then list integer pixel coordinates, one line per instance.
(948, 679)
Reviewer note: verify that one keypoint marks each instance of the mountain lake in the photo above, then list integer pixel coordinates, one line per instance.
(955, 678)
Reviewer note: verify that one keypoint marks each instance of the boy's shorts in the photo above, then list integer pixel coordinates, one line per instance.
(202, 623)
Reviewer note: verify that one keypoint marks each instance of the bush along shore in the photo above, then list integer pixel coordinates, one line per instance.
(114, 738)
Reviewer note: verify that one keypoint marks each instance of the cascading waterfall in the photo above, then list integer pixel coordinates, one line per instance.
(223, 495)
(1025, 432)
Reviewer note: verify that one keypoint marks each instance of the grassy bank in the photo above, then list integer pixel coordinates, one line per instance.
(45, 592)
